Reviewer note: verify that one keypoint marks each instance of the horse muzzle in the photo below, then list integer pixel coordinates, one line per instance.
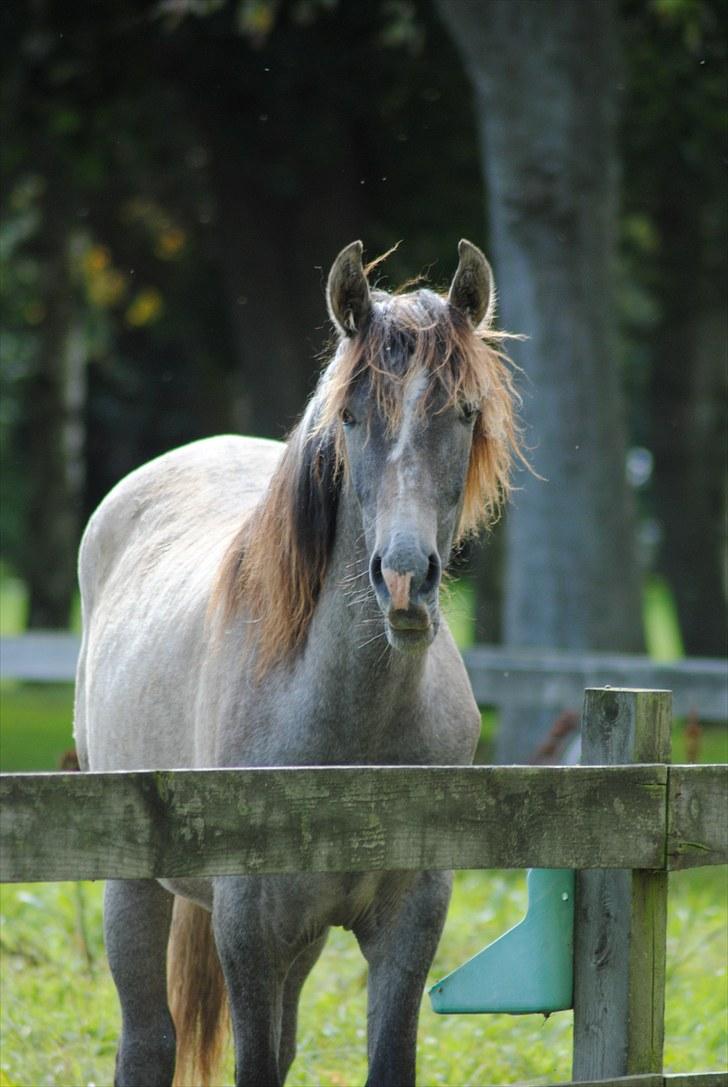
(406, 583)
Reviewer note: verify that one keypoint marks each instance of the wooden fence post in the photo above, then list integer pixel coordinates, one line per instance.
(620, 919)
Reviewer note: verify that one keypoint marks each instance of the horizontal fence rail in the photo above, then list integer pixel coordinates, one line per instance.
(552, 680)
(658, 1079)
(556, 680)
(168, 823)
(46, 656)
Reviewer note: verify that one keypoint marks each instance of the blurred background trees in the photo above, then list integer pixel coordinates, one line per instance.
(546, 78)
(177, 177)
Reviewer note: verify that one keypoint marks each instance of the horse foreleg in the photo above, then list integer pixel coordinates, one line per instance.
(255, 963)
(297, 975)
(137, 916)
(399, 942)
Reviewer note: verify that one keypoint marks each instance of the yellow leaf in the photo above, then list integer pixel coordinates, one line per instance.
(95, 259)
(106, 288)
(170, 243)
(146, 308)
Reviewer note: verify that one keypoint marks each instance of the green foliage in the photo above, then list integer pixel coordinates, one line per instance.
(662, 627)
(458, 604)
(13, 603)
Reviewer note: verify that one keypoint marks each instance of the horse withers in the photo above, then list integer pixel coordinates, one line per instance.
(250, 603)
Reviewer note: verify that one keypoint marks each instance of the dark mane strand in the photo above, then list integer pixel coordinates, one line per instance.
(276, 563)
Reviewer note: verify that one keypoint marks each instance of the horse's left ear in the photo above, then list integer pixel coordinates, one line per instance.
(472, 290)
(347, 291)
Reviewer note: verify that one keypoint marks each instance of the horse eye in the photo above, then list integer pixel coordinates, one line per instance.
(347, 418)
(469, 412)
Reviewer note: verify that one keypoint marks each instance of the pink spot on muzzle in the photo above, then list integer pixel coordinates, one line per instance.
(399, 588)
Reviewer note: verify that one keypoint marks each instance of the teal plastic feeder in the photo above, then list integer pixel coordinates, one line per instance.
(527, 969)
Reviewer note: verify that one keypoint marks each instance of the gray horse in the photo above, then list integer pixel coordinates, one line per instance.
(249, 603)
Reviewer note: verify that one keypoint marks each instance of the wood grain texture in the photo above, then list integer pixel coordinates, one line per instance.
(674, 1079)
(698, 816)
(220, 822)
(696, 1079)
(620, 920)
(649, 1080)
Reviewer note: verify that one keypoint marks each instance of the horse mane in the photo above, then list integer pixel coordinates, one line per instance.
(276, 564)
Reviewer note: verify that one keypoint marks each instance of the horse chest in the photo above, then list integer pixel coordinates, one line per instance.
(301, 909)
(322, 735)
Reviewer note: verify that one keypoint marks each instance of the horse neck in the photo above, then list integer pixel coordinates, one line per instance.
(347, 651)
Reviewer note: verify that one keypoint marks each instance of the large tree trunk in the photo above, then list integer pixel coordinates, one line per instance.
(546, 83)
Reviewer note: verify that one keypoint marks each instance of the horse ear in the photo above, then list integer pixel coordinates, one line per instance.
(472, 290)
(347, 291)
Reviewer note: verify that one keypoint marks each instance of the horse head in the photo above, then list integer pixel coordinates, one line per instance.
(420, 400)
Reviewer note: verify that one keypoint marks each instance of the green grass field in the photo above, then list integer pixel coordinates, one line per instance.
(59, 1019)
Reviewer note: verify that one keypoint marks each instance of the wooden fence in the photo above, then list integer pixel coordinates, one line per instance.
(622, 826)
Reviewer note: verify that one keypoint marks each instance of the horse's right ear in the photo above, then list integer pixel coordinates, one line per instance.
(347, 291)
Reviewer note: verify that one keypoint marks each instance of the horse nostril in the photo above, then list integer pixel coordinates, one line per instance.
(432, 578)
(375, 574)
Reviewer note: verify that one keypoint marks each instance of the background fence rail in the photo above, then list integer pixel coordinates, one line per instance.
(500, 676)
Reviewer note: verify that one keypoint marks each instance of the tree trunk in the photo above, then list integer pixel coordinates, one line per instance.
(54, 440)
(689, 421)
(546, 83)
(272, 252)
(280, 214)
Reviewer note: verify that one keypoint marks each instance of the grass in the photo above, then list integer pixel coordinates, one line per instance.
(59, 1018)
(36, 722)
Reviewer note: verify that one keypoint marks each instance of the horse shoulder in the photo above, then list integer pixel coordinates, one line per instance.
(191, 490)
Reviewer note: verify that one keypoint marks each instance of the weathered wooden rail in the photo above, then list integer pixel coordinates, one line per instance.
(622, 826)
(141, 824)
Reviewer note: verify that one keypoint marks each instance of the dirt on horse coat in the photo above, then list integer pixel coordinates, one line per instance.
(250, 603)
